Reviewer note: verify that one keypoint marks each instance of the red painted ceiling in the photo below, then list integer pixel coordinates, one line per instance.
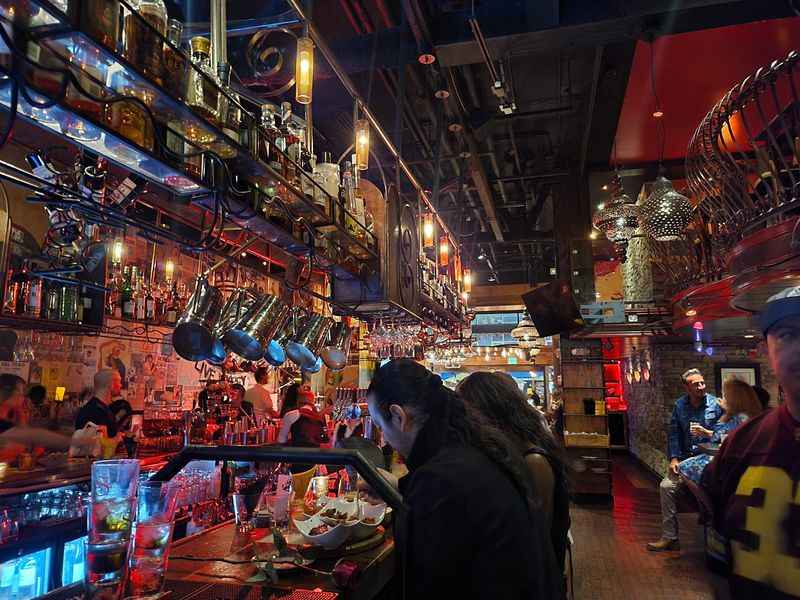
(693, 71)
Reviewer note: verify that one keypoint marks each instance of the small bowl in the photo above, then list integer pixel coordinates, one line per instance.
(376, 513)
(334, 537)
(342, 506)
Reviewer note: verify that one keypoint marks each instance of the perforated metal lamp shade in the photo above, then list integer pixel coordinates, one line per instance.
(665, 213)
(525, 330)
(619, 219)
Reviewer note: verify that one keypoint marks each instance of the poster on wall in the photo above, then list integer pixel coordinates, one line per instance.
(21, 369)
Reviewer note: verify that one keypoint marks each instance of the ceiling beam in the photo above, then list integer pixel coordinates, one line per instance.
(529, 237)
(508, 30)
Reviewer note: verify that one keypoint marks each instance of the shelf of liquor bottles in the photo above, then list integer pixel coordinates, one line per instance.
(141, 86)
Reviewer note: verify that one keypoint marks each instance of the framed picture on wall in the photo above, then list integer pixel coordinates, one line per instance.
(747, 372)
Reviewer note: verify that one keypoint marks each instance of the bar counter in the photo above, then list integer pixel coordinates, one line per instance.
(192, 561)
(14, 481)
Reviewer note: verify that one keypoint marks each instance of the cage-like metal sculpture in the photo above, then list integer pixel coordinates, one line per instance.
(743, 162)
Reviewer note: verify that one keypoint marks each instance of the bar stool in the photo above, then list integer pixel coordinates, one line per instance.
(716, 545)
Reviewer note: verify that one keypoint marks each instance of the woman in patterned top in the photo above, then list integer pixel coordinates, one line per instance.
(740, 402)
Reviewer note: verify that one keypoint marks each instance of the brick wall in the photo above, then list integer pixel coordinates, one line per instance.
(650, 403)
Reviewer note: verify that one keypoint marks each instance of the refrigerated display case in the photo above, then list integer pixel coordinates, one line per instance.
(27, 576)
(73, 565)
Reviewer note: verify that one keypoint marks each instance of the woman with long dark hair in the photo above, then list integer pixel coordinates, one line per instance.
(499, 399)
(474, 528)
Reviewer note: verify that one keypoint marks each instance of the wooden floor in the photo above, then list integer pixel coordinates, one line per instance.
(609, 556)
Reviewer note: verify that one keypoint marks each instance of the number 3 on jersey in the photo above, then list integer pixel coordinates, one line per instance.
(769, 563)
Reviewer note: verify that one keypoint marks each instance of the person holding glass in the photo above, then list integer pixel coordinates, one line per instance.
(740, 402)
(693, 416)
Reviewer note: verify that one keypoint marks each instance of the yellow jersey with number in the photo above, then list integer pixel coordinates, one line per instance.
(755, 485)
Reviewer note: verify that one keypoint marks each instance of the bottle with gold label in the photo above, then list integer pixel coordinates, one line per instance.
(202, 96)
(142, 47)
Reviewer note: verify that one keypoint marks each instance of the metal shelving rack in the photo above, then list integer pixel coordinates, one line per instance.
(51, 24)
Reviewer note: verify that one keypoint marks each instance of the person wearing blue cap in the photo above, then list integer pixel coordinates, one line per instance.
(754, 482)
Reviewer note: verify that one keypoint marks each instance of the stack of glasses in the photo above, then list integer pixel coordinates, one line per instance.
(119, 549)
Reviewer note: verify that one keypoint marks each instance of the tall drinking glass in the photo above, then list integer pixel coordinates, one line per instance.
(155, 519)
(113, 498)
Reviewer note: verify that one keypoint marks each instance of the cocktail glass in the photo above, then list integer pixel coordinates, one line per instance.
(155, 519)
(110, 517)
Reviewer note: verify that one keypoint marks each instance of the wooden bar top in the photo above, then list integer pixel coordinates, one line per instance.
(377, 564)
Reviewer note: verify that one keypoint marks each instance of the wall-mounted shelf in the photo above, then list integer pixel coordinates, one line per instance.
(175, 131)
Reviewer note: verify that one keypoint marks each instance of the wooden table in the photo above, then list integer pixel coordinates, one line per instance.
(377, 564)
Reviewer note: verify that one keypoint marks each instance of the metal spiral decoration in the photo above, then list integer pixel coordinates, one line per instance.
(743, 162)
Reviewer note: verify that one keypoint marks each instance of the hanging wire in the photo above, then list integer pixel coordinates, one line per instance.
(661, 133)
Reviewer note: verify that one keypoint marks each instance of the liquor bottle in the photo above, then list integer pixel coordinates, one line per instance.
(16, 291)
(93, 183)
(126, 294)
(173, 305)
(347, 217)
(90, 77)
(176, 63)
(85, 304)
(33, 303)
(68, 302)
(100, 20)
(149, 305)
(142, 46)
(112, 300)
(139, 298)
(202, 95)
(53, 301)
(127, 118)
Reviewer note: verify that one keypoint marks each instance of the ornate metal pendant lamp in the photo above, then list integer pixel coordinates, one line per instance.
(666, 213)
(619, 219)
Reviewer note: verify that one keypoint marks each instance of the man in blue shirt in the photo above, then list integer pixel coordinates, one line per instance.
(693, 416)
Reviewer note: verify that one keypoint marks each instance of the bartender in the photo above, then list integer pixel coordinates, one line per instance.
(304, 426)
(107, 385)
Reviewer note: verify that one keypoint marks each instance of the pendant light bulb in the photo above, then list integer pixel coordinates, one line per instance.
(362, 144)
(304, 70)
(116, 252)
(444, 251)
(428, 230)
(169, 270)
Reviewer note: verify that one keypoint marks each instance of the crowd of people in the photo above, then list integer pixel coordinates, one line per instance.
(487, 482)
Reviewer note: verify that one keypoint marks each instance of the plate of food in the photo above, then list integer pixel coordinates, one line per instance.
(317, 532)
(340, 511)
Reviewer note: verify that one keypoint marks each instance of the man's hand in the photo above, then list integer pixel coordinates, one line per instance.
(673, 466)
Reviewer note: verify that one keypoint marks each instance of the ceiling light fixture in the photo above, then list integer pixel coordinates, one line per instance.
(619, 218)
(304, 70)
(426, 59)
(666, 213)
